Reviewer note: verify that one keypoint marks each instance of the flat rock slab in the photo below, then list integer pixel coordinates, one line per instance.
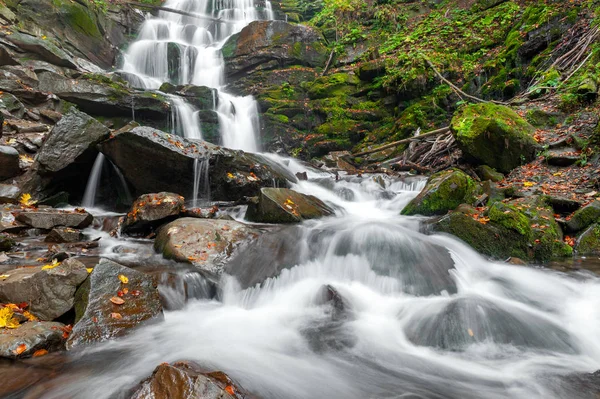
(151, 210)
(64, 234)
(100, 316)
(23, 126)
(29, 337)
(282, 205)
(48, 219)
(207, 243)
(50, 293)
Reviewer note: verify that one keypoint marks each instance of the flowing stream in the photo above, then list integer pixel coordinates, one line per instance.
(361, 304)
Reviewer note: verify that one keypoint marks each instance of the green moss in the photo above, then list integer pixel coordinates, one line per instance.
(588, 243)
(80, 19)
(335, 85)
(510, 217)
(444, 191)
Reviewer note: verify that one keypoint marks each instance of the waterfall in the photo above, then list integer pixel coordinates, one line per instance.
(187, 50)
(89, 197)
(201, 182)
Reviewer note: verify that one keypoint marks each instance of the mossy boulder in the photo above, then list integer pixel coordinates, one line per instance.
(486, 173)
(335, 85)
(6, 243)
(282, 205)
(444, 191)
(588, 243)
(494, 135)
(584, 217)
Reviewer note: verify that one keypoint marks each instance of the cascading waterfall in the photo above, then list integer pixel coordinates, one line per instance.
(89, 196)
(201, 182)
(187, 50)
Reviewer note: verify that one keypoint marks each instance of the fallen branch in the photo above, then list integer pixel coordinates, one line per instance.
(407, 166)
(328, 62)
(445, 129)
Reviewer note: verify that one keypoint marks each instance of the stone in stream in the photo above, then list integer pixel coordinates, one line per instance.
(233, 174)
(282, 205)
(9, 194)
(49, 218)
(486, 173)
(50, 293)
(30, 337)
(494, 135)
(182, 380)
(583, 217)
(588, 243)
(444, 191)
(152, 210)
(6, 242)
(99, 313)
(206, 243)
(64, 234)
(9, 162)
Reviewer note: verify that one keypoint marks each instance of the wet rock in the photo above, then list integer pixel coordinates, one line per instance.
(9, 162)
(49, 218)
(6, 243)
(486, 173)
(34, 335)
(461, 322)
(152, 210)
(588, 243)
(9, 193)
(182, 380)
(563, 204)
(99, 319)
(12, 104)
(47, 50)
(207, 243)
(273, 44)
(63, 235)
(282, 205)
(23, 126)
(50, 293)
(51, 115)
(583, 218)
(494, 135)
(232, 174)
(562, 158)
(444, 191)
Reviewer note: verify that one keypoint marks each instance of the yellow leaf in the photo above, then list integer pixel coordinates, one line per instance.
(89, 269)
(52, 265)
(528, 184)
(4, 276)
(230, 175)
(7, 320)
(123, 279)
(26, 200)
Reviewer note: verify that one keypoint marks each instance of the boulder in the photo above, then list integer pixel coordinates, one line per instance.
(6, 243)
(49, 218)
(98, 314)
(9, 162)
(207, 243)
(9, 194)
(30, 337)
(12, 104)
(282, 205)
(45, 49)
(50, 293)
(273, 44)
(73, 138)
(444, 191)
(233, 174)
(486, 173)
(583, 217)
(494, 135)
(182, 380)
(588, 243)
(63, 235)
(152, 210)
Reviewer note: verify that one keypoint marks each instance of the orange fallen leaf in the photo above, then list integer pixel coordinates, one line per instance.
(230, 389)
(20, 349)
(40, 352)
(116, 316)
(116, 300)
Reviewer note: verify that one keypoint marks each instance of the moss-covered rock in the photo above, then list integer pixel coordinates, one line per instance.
(486, 173)
(335, 85)
(444, 191)
(588, 243)
(584, 217)
(494, 135)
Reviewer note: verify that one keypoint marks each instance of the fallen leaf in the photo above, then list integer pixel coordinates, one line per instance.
(136, 293)
(528, 184)
(54, 263)
(20, 349)
(89, 269)
(26, 199)
(230, 389)
(470, 332)
(125, 290)
(123, 279)
(116, 300)
(116, 316)
(40, 352)
(7, 319)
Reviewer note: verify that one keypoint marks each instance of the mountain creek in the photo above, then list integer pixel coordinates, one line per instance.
(299, 199)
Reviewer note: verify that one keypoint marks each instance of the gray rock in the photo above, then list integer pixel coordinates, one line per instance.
(47, 50)
(64, 234)
(35, 335)
(207, 243)
(9, 193)
(49, 293)
(50, 218)
(282, 205)
(152, 210)
(99, 319)
(12, 105)
(74, 135)
(9, 162)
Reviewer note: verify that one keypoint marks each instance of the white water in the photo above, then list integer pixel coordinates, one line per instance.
(89, 196)
(422, 316)
(187, 50)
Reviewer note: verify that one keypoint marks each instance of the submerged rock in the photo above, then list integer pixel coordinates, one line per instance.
(494, 135)
(102, 313)
(152, 210)
(182, 380)
(444, 191)
(233, 174)
(30, 337)
(49, 218)
(50, 293)
(64, 234)
(207, 243)
(282, 205)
